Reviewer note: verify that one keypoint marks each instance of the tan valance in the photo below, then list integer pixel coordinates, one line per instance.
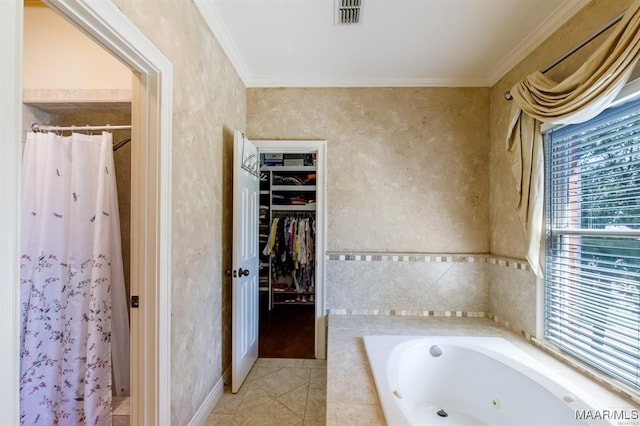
(580, 97)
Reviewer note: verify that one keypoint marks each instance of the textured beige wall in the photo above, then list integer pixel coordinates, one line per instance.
(209, 101)
(407, 167)
(32, 115)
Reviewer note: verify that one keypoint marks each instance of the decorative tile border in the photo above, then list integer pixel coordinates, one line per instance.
(430, 258)
(507, 262)
(408, 313)
(511, 327)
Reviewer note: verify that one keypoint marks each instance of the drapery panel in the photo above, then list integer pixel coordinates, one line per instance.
(72, 283)
(578, 98)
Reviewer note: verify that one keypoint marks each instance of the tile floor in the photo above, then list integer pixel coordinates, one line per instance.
(277, 391)
(120, 410)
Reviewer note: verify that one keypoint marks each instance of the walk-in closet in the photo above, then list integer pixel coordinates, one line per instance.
(279, 244)
(287, 244)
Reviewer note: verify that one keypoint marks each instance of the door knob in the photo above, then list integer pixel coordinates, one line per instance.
(242, 272)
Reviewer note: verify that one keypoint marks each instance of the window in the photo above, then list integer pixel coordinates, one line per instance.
(592, 279)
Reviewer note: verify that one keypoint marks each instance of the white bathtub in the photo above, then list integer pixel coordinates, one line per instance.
(474, 381)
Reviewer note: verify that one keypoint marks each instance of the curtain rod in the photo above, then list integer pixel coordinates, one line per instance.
(35, 127)
(121, 144)
(579, 46)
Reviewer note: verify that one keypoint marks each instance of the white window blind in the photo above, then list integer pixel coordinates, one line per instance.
(592, 277)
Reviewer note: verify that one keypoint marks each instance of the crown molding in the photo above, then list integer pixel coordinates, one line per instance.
(212, 17)
(297, 81)
(214, 20)
(562, 14)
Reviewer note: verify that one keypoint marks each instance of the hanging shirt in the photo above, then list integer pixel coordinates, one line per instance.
(268, 249)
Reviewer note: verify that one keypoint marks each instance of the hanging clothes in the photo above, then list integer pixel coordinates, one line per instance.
(290, 247)
(271, 242)
(71, 281)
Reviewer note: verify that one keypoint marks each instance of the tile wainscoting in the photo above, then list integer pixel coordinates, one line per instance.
(435, 285)
(443, 287)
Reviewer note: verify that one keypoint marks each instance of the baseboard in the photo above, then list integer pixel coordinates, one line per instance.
(226, 376)
(210, 402)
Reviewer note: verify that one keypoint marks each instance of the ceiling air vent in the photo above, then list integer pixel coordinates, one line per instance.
(348, 12)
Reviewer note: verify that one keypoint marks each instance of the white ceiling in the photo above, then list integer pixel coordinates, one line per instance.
(294, 43)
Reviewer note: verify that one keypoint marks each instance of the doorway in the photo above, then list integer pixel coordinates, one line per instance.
(61, 92)
(292, 204)
(291, 290)
(151, 120)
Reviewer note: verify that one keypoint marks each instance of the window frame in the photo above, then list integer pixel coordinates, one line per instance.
(630, 93)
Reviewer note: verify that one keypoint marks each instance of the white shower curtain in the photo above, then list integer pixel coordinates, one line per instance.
(72, 283)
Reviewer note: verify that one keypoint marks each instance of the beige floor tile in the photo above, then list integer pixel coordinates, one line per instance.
(296, 400)
(279, 362)
(271, 413)
(314, 421)
(120, 420)
(228, 404)
(276, 392)
(316, 403)
(280, 382)
(315, 363)
(318, 378)
(220, 420)
(252, 396)
(258, 371)
(303, 372)
(121, 406)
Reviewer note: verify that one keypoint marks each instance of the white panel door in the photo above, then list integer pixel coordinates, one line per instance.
(244, 329)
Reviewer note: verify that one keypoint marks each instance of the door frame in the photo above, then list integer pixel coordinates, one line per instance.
(151, 206)
(320, 149)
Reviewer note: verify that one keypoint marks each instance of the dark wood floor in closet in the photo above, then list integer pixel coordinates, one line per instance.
(287, 332)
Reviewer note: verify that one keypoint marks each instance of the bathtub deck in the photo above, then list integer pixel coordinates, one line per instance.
(351, 392)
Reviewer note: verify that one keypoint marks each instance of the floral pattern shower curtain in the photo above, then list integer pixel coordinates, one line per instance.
(71, 279)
